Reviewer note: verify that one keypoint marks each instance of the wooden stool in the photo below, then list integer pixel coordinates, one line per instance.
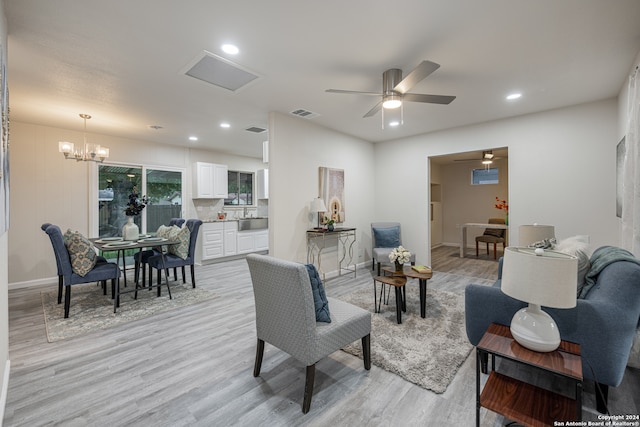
(398, 283)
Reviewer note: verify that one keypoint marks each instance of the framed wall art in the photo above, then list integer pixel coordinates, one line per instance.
(332, 192)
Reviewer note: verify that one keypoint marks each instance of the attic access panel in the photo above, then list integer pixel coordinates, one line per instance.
(220, 72)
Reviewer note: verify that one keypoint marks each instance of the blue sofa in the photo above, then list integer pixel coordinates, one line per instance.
(604, 322)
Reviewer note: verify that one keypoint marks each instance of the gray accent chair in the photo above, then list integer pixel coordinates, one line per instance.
(285, 318)
(604, 322)
(380, 250)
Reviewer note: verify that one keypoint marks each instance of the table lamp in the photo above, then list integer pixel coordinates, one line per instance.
(317, 206)
(539, 277)
(535, 233)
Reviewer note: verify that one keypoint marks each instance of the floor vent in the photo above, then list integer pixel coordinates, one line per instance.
(300, 112)
(255, 129)
(220, 72)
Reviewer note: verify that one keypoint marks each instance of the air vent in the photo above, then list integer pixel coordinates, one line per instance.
(220, 72)
(300, 112)
(255, 129)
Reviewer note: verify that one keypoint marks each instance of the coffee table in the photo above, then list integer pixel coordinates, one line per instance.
(398, 283)
(409, 272)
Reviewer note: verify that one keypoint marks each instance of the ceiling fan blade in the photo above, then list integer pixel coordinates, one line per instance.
(417, 75)
(374, 110)
(352, 91)
(433, 99)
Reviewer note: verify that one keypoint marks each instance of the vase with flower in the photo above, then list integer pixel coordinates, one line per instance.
(399, 256)
(329, 222)
(130, 230)
(503, 206)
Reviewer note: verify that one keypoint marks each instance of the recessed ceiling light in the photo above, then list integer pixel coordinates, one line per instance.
(394, 123)
(230, 49)
(193, 138)
(225, 125)
(513, 96)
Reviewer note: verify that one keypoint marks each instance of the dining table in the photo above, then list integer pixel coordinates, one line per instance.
(117, 244)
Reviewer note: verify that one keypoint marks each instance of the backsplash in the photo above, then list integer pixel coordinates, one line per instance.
(207, 209)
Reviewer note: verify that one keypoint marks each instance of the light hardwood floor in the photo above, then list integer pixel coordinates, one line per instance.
(193, 366)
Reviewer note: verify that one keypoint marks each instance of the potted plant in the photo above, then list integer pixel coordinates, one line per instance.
(130, 231)
(399, 256)
(329, 222)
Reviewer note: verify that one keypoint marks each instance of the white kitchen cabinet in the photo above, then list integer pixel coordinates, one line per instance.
(212, 240)
(262, 182)
(230, 238)
(210, 181)
(253, 241)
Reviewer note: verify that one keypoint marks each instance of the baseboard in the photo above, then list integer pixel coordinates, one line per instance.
(47, 281)
(5, 389)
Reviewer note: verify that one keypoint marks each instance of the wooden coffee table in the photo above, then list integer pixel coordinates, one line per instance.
(409, 272)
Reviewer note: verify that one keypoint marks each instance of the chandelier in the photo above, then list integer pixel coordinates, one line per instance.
(88, 152)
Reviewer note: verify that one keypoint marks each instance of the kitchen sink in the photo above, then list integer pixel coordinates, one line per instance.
(253, 224)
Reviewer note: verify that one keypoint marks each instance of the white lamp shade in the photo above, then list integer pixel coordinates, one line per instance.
(549, 279)
(317, 205)
(535, 233)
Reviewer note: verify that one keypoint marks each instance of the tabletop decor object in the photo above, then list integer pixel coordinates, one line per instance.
(399, 256)
(329, 223)
(130, 230)
(317, 206)
(541, 278)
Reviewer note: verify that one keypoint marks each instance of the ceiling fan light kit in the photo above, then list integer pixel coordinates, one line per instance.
(395, 91)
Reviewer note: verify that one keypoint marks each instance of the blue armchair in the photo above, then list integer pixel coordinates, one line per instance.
(604, 322)
(101, 272)
(174, 261)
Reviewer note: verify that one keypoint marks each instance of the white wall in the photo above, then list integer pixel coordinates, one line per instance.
(297, 148)
(47, 188)
(561, 172)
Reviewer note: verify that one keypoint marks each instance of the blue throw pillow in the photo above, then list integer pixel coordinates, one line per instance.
(319, 297)
(387, 237)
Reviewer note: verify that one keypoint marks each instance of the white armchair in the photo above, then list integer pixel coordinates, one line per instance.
(384, 237)
(286, 318)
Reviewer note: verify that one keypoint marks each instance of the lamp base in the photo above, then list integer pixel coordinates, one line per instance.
(534, 329)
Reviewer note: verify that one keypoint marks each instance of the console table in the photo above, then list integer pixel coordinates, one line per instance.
(520, 401)
(319, 239)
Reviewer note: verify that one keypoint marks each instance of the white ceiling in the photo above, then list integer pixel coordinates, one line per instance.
(123, 62)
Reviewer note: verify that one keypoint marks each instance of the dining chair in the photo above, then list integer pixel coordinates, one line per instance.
(101, 272)
(492, 235)
(384, 237)
(286, 318)
(141, 258)
(171, 260)
(59, 267)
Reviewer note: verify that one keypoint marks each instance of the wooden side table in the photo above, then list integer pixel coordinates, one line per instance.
(409, 272)
(520, 401)
(398, 283)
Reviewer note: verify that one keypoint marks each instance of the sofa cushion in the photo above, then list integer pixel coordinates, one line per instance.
(82, 255)
(319, 297)
(388, 237)
(577, 246)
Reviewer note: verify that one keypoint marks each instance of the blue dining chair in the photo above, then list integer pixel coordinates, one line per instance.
(60, 276)
(141, 258)
(101, 272)
(174, 261)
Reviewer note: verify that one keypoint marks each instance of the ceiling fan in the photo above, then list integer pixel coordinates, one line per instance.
(395, 89)
(487, 158)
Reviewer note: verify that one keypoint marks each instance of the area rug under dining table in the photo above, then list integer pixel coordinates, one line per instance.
(91, 311)
(427, 352)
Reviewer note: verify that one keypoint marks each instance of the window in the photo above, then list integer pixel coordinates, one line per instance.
(484, 176)
(240, 185)
(163, 189)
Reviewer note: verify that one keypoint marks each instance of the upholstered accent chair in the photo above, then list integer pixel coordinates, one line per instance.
(384, 237)
(101, 272)
(172, 260)
(286, 318)
(141, 258)
(60, 275)
(492, 235)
